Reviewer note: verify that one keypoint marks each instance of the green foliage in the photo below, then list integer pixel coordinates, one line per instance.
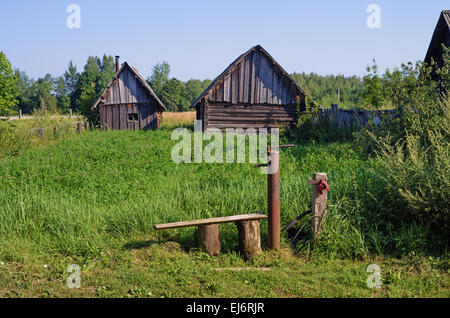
(373, 88)
(194, 88)
(172, 95)
(71, 77)
(91, 82)
(309, 129)
(8, 88)
(62, 95)
(331, 89)
(443, 72)
(175, 94)
(42, 94)
(416, 178)
(414, 147)
(25, 91)
(78, 91)
(159, 77)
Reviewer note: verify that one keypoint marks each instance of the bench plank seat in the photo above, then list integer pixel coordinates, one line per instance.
(225, 219)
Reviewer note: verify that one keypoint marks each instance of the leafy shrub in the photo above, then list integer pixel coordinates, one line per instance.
(308, 128)
(416, 178)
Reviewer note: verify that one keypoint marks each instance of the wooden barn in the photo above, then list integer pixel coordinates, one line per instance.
(253, 92)
(441, 35)
(128, 102)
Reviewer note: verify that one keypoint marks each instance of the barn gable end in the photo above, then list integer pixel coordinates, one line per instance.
(128, 102)
(254, 91)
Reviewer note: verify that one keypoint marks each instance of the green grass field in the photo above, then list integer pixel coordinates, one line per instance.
(92, 200)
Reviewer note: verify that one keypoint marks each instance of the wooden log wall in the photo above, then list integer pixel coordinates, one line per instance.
(219, 115)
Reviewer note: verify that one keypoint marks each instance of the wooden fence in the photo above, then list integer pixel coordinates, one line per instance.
(351, 118)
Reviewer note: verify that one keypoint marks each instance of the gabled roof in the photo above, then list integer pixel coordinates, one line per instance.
(139, 78)
(441, 34)
(274, 63)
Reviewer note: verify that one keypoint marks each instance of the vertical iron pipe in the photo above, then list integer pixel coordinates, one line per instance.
(273, 200)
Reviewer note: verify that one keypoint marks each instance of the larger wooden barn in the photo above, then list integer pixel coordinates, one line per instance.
(253, 92)
(128, 102)
(441, 36)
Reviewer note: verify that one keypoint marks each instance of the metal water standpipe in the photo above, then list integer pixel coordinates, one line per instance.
(273, 196)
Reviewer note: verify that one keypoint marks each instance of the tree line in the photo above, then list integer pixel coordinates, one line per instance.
(78, 90)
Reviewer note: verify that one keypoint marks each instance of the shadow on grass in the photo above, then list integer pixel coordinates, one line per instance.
(187, 241)
(184, 243)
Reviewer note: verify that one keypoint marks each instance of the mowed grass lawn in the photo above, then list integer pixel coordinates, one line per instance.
(92, 200)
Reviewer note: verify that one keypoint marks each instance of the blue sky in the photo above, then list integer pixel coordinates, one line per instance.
(200, 38)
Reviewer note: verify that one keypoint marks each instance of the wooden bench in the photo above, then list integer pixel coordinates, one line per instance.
(209, 234)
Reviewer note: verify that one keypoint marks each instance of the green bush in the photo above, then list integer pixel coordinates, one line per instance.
(308, 129)
(416, 174)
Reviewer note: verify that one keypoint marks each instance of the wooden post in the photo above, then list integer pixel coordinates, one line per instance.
(70, 113)
(209, 238)
(41, 133)
(20, 113)
(79, 127)
(319, 204)
(249, 238)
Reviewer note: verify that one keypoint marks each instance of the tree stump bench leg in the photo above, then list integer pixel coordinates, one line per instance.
(249, 238)
(209, 238)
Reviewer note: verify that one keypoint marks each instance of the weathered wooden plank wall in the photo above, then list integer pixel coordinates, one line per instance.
(126, 89)
(254, 80)
(115, 116)
(126, 95)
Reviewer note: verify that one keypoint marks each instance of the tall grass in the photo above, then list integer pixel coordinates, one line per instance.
(19, 135)
(177, 119)
(80, 195)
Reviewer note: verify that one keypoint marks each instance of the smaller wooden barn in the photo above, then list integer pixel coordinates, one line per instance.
(128, 102)
(252, 92)
(441, 35)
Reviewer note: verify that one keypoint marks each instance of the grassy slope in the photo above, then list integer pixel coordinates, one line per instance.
(92, 200)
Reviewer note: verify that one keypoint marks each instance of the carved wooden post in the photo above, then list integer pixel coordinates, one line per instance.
(79, 127)
(319, 203)
(209, 238)
(249, 238)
